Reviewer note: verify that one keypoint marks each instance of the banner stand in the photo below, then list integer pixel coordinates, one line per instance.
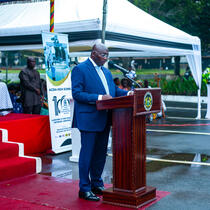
(59, 96)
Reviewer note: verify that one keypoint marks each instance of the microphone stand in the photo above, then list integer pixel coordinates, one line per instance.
(132, 80)
(129, 75)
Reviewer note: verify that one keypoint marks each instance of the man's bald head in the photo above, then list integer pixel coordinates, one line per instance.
(31, 62)
(99, 54)
(99, 47)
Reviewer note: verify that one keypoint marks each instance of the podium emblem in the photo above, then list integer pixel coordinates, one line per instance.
(148, 101)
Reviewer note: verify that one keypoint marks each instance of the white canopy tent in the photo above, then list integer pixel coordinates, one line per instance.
(129, 31)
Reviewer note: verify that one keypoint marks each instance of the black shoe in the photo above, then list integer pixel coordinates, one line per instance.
(98, 190)
(90, 196)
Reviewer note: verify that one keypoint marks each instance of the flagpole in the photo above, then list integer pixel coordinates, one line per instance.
(51, 15)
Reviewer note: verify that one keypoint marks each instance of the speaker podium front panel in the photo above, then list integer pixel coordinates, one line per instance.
(129, 147)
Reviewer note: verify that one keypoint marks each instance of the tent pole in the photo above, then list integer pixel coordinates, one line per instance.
(6, 54)
(7, 70)
(199, 104)
(104, 22)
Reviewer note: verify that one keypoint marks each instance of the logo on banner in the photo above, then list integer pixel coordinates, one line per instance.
(148, 101)
(61, 105)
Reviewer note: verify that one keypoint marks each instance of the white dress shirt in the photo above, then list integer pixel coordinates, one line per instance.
(102, 77)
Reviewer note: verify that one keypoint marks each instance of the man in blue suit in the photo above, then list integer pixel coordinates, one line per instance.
(91, 82)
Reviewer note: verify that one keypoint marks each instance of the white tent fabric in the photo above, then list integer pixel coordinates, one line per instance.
(194, 61)
(129, 31)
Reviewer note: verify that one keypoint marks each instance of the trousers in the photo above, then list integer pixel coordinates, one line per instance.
(92, 158)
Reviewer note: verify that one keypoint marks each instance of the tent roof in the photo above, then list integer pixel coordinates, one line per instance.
(129, 29)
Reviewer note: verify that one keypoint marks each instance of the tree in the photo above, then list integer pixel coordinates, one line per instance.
(191, 16)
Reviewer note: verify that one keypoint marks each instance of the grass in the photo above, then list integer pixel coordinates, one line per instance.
(151, 71)
(114, 71)
(17, 71)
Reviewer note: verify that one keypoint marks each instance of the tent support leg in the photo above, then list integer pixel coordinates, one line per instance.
(199, 104)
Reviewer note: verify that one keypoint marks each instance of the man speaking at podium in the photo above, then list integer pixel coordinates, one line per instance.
(91, 82)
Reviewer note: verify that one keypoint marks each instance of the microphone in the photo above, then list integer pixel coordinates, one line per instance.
(124, 71)
(128, 74)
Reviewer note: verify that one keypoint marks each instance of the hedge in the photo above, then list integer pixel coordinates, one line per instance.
(179, 86)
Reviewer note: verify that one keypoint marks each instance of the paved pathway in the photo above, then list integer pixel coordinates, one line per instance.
(173, 145)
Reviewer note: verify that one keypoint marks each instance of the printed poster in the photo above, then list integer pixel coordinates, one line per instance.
(58, 78)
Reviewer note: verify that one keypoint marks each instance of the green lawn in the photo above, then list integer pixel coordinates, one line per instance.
(16, 71)
(150, 71)
(138, 71)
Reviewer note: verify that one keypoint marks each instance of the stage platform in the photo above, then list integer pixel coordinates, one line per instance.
(44, 192)
(30, 129)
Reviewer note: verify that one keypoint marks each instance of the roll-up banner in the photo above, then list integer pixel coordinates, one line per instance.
(58, 78)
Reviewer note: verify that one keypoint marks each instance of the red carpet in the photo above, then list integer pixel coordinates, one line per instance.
(11, 164)
(44, 192)
(30, 129)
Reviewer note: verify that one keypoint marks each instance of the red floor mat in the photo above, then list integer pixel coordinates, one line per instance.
(8, 150)
(16, 167)
(44, 192)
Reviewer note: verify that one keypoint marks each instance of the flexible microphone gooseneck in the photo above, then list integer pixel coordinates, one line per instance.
(128, 74)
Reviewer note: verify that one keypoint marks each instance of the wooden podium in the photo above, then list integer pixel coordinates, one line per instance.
(129, 147)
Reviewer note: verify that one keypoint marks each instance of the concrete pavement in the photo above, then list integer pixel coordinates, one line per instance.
(178, 137)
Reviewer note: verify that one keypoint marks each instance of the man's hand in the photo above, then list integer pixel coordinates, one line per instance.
(130, 93)
(104, 97)
(38, 91)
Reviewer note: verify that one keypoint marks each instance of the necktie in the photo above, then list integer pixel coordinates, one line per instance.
(103, 78)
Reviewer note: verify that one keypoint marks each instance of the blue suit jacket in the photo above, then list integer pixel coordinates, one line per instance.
(86, 87)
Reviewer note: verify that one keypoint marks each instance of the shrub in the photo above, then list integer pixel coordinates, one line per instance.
(179, 86)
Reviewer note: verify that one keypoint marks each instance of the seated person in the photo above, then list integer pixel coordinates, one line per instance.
(146, 84)
(44, 108)
(5, 103)
(14, 92)
(125, 84)
(117, 81)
